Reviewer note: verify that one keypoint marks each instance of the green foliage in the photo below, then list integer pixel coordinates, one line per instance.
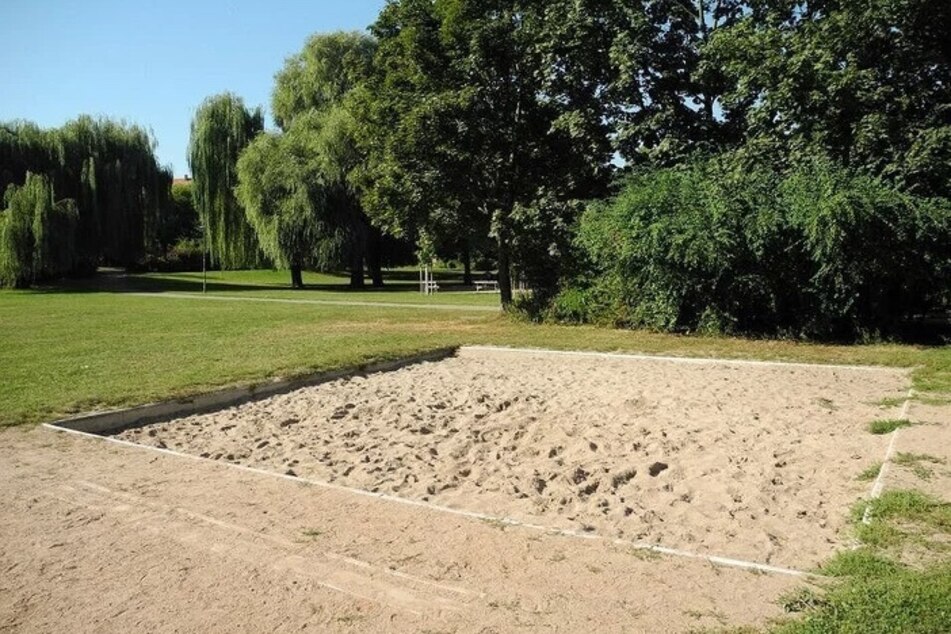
(180, 220)
(870, 473)
(16, 238)
(725, 246)
(109, 171)
(280, 186)
(887, 426)
(222, 127)
(900, 601)
(307, 208)
(480, 114)
(37, 235)
(865, 83)
(321, 75)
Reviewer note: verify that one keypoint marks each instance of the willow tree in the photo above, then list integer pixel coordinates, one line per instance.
(222, 127)
(108, 169)
(293, 188)
(317, 86)
(37, 233)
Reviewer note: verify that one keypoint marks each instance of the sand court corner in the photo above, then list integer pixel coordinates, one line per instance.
(734, 461)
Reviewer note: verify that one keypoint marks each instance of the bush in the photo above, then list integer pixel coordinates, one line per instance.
(723, 247)
(185, 255)
(37, 235)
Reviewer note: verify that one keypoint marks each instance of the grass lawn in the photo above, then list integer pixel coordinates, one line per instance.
(120, 340)
(93, 344)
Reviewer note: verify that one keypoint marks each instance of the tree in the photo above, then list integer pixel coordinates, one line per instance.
(867, 84)
(180, 219)
(222, 127)
(316, 87)
(296, 203)
(110, 172)
(668, 103)
(37, 233)
(481, 108)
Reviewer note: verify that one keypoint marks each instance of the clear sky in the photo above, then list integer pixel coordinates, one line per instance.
(152, 62)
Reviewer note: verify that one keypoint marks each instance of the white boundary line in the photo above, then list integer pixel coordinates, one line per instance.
(697, 360)
(879, 483)
(318, 302)
(714, 559)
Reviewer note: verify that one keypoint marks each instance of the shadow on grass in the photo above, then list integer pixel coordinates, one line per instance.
(119, 281)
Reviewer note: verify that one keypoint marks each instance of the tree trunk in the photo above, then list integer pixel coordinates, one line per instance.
(358, 248)
(297, 279)
(466, 264)
(375, 257)
(356, 271)
(505, 274)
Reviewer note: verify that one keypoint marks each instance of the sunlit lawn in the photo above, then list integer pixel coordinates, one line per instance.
(92, 344)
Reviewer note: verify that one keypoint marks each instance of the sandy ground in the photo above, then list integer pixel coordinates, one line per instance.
(926, 449)
(751, 461)
(96, 537)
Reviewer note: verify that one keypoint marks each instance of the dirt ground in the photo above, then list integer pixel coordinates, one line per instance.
(749, 461)
(96, 537)
(99, 537)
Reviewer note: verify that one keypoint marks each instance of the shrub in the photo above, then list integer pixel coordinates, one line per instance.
(37, 235)
(719, 246)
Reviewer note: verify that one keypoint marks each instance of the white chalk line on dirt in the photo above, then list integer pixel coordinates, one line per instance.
(319, 302)
(879, 483)
(508, 521)
(698, 360)
(443, 603)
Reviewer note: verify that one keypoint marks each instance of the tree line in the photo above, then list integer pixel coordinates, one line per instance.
(660, 163)
(88, 193)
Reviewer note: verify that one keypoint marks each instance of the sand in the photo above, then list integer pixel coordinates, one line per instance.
(96, 537)
(757, 462)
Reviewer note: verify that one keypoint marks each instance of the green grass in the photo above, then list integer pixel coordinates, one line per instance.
(917, 463)
(872, 592)
(902, 600)
(870, 473)
(887, 425)
(91, 344)
(900, 519)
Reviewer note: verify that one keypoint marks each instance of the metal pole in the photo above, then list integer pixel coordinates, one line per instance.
(204, 269)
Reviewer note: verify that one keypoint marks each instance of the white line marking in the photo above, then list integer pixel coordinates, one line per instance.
(318, 302)
(879, 483)
(701, 360)
(715, 559)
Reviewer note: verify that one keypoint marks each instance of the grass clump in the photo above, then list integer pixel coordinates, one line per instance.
(914, 461)
(901, 516)
(887, 425)
(872, 593)
(862, 562)
(870, 473)
(902, 600)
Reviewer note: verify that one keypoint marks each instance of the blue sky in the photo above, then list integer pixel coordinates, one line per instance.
(153, 62)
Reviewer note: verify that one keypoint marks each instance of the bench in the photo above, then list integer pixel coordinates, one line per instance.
(486, 285)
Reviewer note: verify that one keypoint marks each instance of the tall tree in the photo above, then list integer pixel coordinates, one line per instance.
(110, 172)
(317, 85)
(487, 109)
(669, 103)
(222, 127)
(867, 84)
(293, 188)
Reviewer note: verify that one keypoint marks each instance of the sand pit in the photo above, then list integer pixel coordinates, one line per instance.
(752, 461)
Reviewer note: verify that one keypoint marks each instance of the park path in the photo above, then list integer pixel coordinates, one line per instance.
(319, 302)
(99, 537)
